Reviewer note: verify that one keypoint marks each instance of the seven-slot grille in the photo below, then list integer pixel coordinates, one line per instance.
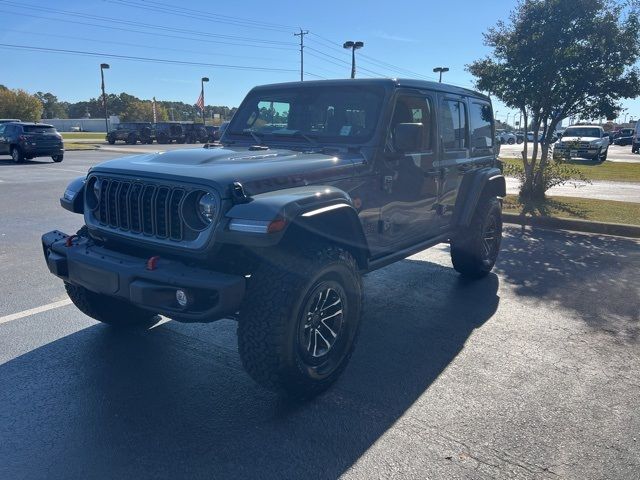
(143, 208)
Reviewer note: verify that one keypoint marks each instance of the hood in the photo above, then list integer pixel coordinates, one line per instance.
(258, 171)
(579, 139)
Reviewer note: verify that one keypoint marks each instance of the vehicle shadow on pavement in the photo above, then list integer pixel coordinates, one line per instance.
(585, 273)
(9, 162)
(174, 402)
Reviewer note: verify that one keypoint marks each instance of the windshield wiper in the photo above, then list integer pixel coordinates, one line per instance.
(298, 133)
(256, 138)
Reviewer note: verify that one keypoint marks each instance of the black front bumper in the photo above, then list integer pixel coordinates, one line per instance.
(212, 295)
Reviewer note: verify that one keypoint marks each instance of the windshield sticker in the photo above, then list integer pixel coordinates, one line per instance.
(345, 130)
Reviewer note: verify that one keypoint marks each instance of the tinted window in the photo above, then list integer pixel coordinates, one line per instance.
(1, 128)
(414, 109)
(343, 114)
(38, 129)
(481, 119)
(453, 124)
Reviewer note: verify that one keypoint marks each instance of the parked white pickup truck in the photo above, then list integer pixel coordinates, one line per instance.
(583, 141)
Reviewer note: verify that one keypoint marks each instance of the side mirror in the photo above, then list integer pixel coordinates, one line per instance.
(407, 137)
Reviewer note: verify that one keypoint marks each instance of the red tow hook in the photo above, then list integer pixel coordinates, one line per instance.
(69, 241)
(152, 263)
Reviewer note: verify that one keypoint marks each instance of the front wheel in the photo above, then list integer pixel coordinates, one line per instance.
(109, 310)
(603, 157)
(474, 249)
(299, 323)
(57, 158)
(511, 141)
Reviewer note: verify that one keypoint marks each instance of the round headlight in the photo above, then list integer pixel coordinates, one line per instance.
(97, 188)
(208, 207)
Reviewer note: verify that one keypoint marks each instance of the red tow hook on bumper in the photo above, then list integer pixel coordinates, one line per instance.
(69, 241)
(152, 263)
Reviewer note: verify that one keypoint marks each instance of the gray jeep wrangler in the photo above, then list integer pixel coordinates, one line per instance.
(314, 184)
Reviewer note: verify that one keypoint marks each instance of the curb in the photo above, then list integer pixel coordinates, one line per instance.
(617, 229)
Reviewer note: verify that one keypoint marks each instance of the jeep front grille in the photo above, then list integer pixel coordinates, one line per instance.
(142, 208)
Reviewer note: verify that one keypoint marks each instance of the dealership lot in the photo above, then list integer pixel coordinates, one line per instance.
(616, 153)
(530, 372)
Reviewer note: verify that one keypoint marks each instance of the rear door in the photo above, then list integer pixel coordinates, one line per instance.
(455, 152)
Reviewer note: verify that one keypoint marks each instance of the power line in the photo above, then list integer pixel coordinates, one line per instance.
(369, 59)
(136, 45)
(203, 15)
(154, 27)
(142, 59)
(155, 34)
(346, 62)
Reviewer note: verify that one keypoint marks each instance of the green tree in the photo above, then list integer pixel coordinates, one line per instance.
(142, 111)
(19, 104)
(52, 108)
(555, 59)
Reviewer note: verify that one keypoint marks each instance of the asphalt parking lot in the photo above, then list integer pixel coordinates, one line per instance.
(530, 373)
(616, 153)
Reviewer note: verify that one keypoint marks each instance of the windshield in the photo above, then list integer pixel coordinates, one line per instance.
(581, 132)
(331, 114)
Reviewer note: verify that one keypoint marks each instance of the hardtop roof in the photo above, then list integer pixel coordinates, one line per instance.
(384, 82)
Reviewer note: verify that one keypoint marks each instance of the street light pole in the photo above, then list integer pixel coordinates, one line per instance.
(353, 46)
(104, 66)
(204, 79)
(440, 70)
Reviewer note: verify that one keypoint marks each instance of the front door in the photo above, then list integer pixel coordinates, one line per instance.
(410, 180)
(4, 144)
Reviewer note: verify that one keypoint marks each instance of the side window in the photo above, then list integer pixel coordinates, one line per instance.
(414, 109)
(1, 128)
(481, 118)
(453, 124)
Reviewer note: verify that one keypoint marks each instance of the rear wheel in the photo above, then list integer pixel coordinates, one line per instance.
(475, 248)
(16, 154)
(162, 138)
(511, 141)
(109, 310)
(299, 323)
(57, 158)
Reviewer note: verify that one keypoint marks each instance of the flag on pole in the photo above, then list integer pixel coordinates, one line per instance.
(200, 102)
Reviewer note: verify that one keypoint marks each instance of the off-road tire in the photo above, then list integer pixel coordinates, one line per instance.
(111, 141)
(270, 339)
(17, 155)
(57, 158)
(109, 310)
(468, 249)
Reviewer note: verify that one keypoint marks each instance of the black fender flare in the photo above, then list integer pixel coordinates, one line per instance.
(485, 181)
(321, 211)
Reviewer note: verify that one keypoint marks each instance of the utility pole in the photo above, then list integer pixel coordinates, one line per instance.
(301, 35)
(202, 81)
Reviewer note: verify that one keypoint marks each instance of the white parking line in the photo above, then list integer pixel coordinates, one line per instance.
(33, 311)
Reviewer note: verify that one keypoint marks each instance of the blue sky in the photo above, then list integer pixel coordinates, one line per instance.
(411, 35)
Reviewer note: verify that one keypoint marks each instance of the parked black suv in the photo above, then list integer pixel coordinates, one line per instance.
(24, 141)
(213, 133)
(167, 132)
(131, 133)
(277, 226)
(195, 132)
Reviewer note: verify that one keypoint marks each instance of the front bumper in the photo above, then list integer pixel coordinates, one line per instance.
(567, 153)
(212, 295)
